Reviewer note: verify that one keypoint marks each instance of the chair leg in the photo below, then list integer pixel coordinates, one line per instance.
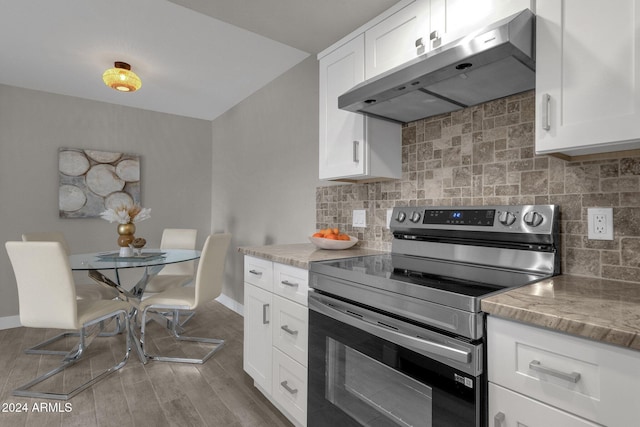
(173, 325)
(38, 348)
(72, 358)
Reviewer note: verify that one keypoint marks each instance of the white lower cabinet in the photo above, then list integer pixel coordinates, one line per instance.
(289, 387)
(509, 409)
(539, 377)
(276, 333)
(257, 335)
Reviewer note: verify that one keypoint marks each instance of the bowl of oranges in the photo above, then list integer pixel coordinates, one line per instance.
(332, 238)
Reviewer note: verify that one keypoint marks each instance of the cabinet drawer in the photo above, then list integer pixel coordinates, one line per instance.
(509, 409)
(291, 282)
(593, 380)
(258, 272)
(290, 328)
(290, 386)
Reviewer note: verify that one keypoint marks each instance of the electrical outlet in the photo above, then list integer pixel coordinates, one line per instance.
(359, 218)
(600, 223)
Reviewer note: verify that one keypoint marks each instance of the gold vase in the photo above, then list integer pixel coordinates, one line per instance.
(126, 234)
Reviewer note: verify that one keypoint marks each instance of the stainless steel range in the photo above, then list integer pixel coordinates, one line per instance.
(398, 339)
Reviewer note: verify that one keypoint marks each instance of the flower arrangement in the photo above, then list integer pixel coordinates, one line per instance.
(126, 214)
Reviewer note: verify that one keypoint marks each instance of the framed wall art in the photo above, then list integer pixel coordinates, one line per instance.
(91, 181)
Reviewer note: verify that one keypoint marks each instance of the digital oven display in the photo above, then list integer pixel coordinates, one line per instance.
(478, 217)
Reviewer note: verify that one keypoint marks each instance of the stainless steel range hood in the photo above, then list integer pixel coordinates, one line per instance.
(489, 64)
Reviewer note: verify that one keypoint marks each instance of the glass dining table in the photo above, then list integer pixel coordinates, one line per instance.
(152, 260)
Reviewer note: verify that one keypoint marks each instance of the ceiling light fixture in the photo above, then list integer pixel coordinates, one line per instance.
(122, 78)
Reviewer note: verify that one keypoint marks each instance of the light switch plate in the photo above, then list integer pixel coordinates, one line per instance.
(359, 218)
(600, 223)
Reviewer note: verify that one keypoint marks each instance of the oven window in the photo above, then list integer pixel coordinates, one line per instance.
(371, 392)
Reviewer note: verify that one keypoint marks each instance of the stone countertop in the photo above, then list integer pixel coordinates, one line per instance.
(300, 255)
(604, 310)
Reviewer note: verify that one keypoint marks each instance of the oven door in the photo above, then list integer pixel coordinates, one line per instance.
(368, 369)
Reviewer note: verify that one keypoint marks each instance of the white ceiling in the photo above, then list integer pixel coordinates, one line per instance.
(196, 58)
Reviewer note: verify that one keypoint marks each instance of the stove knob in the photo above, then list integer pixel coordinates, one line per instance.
(415, 216)
(533, 219)
(507, 218)
(401, 216)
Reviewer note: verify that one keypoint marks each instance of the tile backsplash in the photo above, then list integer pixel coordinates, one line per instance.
(485, 155)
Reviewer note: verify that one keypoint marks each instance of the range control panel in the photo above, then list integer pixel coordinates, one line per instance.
(537, 219)
(480, 217)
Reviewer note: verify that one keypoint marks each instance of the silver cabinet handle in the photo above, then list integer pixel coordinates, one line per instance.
(572, 377)
(498, 420)
(288, 330)
(288, 283)
(356, 158)
(546, 106)
(420, 48)
(257, 273)
(265, 320)
(285, 385)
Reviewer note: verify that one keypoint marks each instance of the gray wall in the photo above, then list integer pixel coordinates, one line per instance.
(265, 167)
(175, 166)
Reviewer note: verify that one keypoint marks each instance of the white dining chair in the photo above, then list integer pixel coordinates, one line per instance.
(47, 299)
(84, 291)
(208, 285)
(178, 274)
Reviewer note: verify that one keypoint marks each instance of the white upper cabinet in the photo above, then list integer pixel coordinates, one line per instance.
(587, 76)
(395, 40)
(352, 146)
(453, 19)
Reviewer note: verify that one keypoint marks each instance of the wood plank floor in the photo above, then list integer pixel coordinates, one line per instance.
(217, 393)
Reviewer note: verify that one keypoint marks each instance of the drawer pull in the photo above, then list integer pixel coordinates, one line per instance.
(498, 420)
(265, 319)
(285, 385)
(256, 272)
(572, 377)
(288, 330)
(288, 283)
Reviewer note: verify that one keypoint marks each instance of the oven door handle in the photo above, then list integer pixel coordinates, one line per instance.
(417, 344)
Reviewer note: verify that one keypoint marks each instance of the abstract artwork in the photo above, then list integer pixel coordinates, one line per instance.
(91, 181)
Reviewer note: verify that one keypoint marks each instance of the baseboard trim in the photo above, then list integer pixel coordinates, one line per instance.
(231, 304)
(10, 322)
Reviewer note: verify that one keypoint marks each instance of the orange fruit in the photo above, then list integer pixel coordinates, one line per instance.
(343, 237)
(335, 231)
(318, 235)
(331, 236)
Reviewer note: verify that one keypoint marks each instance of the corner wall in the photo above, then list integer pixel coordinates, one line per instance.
(265, 168)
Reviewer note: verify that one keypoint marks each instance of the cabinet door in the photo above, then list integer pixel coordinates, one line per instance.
(342, 143)
(587, 76)
(257, 335)
(393, 41)
(509, 409)
(453, 19)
